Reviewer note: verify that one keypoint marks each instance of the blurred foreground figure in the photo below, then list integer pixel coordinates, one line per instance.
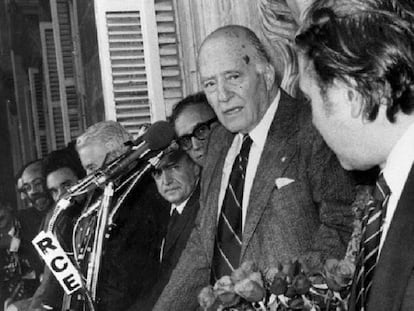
(357, 69)
(17, 276)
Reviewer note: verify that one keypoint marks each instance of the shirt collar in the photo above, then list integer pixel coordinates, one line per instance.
(259, 133)
(399, 162)
(179, 207)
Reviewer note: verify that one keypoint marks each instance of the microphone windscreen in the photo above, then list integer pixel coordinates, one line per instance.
(159, 135)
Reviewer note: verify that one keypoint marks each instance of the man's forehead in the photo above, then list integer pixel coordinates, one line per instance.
(222, 52)
(193, 115)
(33, 171)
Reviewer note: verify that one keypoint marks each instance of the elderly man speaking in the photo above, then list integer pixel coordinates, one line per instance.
(270, 189)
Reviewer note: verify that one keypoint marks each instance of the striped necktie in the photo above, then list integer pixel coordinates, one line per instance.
(228, 242)
(371, 236)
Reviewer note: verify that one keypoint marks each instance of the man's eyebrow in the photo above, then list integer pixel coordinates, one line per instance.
(203, 79)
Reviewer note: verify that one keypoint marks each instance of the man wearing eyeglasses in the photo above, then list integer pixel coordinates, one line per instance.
(193, 119)
(33, 184)
(32, 187)
(61, 169)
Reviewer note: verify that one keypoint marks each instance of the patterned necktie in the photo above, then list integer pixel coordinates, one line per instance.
(371, 236)
(171, 223)
(228, 242)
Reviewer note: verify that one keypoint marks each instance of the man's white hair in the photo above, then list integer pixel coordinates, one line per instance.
(111, 134)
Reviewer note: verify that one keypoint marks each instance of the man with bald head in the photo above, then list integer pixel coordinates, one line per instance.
(271, 190)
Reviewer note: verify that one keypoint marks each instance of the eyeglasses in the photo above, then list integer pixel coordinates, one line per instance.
(37, 184)
(201, 132)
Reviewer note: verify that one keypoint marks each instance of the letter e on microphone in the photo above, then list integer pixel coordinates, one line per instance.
(58, 262)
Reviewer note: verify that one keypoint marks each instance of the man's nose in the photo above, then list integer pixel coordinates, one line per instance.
(61, 192)
(166, 177)
(224, 93)
(196, 143)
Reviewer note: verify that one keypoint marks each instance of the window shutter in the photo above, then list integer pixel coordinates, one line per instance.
(51, 79)
(69, 102)
(39, 113)
(169, 53)
(130, 87)
(137, 82)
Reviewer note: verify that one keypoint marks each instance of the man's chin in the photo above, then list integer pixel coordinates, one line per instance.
(199, 160)
(42, 204)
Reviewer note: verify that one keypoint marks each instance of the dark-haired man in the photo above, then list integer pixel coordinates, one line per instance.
(177, 180)
(271, 195)
(357, 68)
(62, 169)
(193, 119)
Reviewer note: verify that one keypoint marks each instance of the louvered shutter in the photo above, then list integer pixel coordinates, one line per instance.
(23, 109)
(169, 53)
(51, 79)
(69, 102)
(129, 52)
(39, 113)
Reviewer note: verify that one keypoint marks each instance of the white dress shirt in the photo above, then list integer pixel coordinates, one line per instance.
(179, 207)
(396, 170)
(258, 136)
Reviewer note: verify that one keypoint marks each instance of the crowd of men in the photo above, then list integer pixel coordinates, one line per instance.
(253, 174)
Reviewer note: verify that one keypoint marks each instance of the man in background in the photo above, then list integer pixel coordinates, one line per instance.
(177, 180)
(193, 119)
(33, 184)
(62, 169)
(356, 61)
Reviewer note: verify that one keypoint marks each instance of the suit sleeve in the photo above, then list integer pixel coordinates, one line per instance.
(333, 193)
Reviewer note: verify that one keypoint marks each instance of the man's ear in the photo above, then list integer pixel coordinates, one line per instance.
(197, 170)
(111, 146)
(268, 72)
(353, 97)
(356, 101)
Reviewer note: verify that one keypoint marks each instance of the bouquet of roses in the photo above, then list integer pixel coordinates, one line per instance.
(297, 284)
(289, 286)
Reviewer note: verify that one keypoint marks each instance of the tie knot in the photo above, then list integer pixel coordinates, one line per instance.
(245, 148)
(381, 188)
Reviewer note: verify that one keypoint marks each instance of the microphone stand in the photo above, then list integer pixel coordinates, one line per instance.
(96, 254)
(104, 223)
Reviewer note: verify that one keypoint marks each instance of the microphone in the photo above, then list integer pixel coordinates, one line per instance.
(158, 137)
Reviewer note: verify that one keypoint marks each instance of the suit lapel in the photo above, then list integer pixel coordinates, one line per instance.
(184, 220)
(211, 176)
(276, 156)
(396, 261)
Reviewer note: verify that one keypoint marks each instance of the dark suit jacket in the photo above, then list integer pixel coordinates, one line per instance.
(393, 283)
(130, 259)
(178, 234)
(175, 241)
(304, 216)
